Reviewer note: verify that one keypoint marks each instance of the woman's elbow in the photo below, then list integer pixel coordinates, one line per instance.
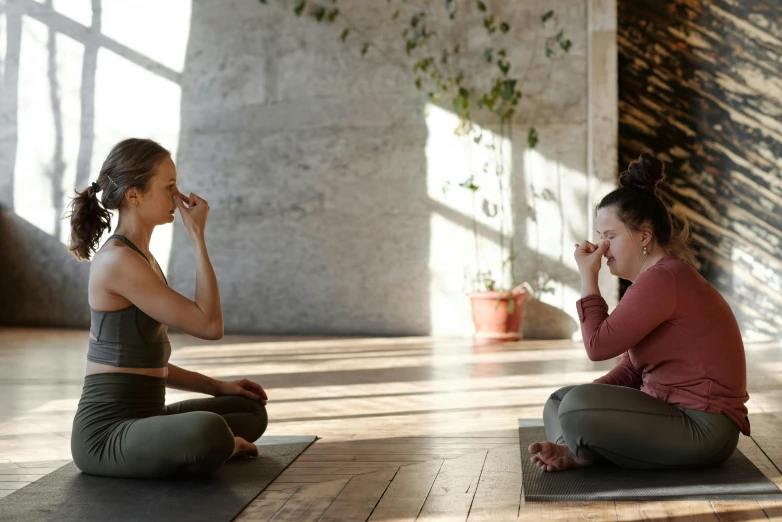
(594, 354)
(214, 332)
(216, 336)
(218, 333)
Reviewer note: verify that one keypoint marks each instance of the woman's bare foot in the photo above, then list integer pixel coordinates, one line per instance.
(555, 457)
(244, 449)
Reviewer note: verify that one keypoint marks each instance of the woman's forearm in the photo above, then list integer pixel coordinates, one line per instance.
(207, 294)
(181, 379)
(589, 285)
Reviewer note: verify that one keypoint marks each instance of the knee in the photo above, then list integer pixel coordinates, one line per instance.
(578, 408)
(249, 419)
(580, 399)
(211, 442)
(560, 394)
(260, 421)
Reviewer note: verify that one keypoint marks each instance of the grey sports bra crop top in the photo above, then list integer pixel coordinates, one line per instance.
(128, 338)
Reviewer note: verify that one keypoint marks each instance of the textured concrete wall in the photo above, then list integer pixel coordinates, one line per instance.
(323, 169)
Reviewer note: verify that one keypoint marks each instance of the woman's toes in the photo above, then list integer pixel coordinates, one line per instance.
(534, 447)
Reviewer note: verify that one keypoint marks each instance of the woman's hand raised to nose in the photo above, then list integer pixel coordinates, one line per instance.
(194, 214)
(588, 257)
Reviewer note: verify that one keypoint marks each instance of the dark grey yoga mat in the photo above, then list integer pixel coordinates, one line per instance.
(68, 495)
(736, 479)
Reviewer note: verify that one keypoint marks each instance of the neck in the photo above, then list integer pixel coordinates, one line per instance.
(138, 233)
(652, 260)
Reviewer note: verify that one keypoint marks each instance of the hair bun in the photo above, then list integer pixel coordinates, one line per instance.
(645, 173)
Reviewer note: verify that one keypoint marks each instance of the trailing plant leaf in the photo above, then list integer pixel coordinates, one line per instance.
(300, 7)
(532, 137)
(547, 16)
(508, 87)
(468, 184)
(344, 35)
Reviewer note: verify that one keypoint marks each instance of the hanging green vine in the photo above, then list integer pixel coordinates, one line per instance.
(435, 70)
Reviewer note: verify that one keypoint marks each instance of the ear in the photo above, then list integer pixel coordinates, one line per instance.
(132, 196)
(646, 236)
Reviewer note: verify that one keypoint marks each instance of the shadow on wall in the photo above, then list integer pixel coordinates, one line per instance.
(41, 283)
(313, 162)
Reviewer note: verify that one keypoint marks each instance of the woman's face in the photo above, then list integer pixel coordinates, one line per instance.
(625, 251)
(156, 205)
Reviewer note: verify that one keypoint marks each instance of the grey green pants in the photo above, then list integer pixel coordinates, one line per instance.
(123, 428)
(635, 430)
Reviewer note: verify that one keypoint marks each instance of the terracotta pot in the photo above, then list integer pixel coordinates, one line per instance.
(490, 314)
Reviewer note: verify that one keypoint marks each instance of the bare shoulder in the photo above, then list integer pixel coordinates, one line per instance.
(116, 264)
(114, 255)
(116, 270)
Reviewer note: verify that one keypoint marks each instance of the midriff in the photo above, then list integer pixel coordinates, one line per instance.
(93, 368)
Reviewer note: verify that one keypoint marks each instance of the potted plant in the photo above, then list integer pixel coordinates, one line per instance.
(488, 96)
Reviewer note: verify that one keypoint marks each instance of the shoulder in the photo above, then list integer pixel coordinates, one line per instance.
(659, 279)
(115, 257)
(664, 271)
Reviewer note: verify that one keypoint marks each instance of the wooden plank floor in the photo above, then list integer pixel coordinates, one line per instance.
(411, 428)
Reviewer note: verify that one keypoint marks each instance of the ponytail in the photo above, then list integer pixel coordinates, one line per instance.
(88, 221)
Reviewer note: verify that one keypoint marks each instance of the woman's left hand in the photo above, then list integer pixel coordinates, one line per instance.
(242, 388)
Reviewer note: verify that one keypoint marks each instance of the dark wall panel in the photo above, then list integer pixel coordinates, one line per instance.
(700, 85)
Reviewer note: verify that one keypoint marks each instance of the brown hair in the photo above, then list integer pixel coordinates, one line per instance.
(638, 204)
(130, 164)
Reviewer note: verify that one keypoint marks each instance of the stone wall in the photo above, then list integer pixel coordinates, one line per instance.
(324, 169)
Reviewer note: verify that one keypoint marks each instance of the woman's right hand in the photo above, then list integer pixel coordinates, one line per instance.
(589, 257)
(194, 215)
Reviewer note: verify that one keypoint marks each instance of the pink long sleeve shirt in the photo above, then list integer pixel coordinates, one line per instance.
(678, 339)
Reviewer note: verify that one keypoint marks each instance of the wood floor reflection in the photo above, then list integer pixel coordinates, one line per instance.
(410, 428)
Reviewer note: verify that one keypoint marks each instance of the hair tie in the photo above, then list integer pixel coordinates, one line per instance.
(95, 187)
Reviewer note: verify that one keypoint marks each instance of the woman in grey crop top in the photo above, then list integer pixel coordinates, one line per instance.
(122, 406)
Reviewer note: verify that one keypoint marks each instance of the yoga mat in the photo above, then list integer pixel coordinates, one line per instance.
(68, 495)
(737, 479)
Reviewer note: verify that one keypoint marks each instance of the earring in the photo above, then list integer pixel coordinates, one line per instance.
(645, 252)
(137, 207)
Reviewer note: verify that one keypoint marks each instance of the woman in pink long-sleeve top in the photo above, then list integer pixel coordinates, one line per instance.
(676, 398)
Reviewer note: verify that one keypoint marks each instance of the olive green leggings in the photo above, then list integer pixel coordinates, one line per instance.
(635, 430)
(123, 428)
